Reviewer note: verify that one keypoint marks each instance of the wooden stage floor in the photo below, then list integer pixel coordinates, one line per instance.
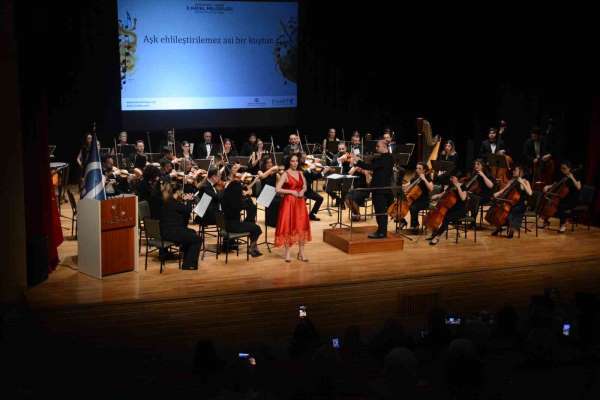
(338, 287)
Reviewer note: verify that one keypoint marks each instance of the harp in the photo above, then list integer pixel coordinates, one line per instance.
(428, 146)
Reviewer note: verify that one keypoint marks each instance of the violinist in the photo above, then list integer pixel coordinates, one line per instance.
(232, 203)
(228, 149)
(355, 144)
(167, 173)
(268, 176)
(205, 148)
(249, 147)
(140, 159)
(174, 215)
(422, 203)
(110, 176)
(517, 211)
(212, 187)
(567, 203)
(356, 198)
(186, 155)
(492, 145)
(143, 188)
(382, 168)
(342, 159)
(457, 211)
(310, 176)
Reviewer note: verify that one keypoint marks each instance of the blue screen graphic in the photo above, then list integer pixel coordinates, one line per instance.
(206, 55)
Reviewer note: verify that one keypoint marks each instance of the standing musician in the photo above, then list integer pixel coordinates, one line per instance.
(517, 211)
(139, 159)
(388, 136)
(250, 146)
(492, 145)
(382, 167)
(205, 148)
(422, 203)
(293, 146)
(268, 176)
(538, 156)
(233, 202)
(84, 151)
(174, 215)
(567, 203)
(457, 211)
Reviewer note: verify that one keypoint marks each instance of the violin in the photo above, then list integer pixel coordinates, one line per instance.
(558, 191)
(498, 213)
(399, 208)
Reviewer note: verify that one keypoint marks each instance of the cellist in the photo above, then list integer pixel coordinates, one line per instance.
(422, 203)
(515, 216)
(457, 211)
(567, 203)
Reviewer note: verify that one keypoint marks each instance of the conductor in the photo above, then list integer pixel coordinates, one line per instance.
(382, 166)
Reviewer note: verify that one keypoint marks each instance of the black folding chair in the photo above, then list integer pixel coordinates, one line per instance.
(143, 212)
(73, 218)
(584, 208)
(224, 238)
(468, 220)
(154, 239)
(531, 213)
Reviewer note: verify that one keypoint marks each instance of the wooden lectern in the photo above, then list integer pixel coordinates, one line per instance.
(107, 235)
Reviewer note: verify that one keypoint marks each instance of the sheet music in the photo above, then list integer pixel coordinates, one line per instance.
(202, 205)
(266, 196)
(340, 176)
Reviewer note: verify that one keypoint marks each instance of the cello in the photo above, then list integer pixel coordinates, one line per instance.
(551, 199)
(399, 208)
(498, 213)
(434, 219)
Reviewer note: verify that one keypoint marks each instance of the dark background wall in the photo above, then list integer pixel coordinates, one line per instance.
(362, 66)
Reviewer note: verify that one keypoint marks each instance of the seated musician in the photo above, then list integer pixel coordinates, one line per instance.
(536, 148)
(308, 170)
(110, 177)
(234, 200)
(355, 144)
(485, 182)
(256, 157)
(139, 158)
(185, 157)
(268, 176)
(517, 211)
(167, 172)
(454, 213)
(249, 146)
(211, 187)
(356, 198)
(293, 145)
(492, 145)
(342, 160)
(331, 137)
(123, 147)
(228, 149)
(143, 187)
(422, 203)
(174, 215)
(448, 154)
(567, 203)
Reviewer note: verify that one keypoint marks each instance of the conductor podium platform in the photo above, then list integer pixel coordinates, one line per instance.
(355, 240)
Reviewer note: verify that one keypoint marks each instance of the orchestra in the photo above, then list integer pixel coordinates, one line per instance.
(172, 182)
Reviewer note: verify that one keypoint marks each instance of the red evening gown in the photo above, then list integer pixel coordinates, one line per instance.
(292, 221)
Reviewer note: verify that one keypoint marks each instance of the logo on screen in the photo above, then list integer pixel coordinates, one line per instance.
(202, 7)
(127, 47)
(286, 50)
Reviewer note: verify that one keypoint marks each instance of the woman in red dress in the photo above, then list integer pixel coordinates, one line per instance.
(292, 222)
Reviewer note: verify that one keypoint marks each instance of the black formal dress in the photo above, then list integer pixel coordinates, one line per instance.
(173, 227)
(232, 203)
(383, 171)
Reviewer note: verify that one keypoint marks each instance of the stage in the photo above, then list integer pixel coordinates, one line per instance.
(245, 300)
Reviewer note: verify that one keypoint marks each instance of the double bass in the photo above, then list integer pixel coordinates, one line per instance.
(549, 203)
(498, 213)
(543, 172)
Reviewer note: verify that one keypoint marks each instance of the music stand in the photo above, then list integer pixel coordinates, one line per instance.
(328, 208)
(446, 166)
(400, 158)
(339, 184)
(203, 163)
